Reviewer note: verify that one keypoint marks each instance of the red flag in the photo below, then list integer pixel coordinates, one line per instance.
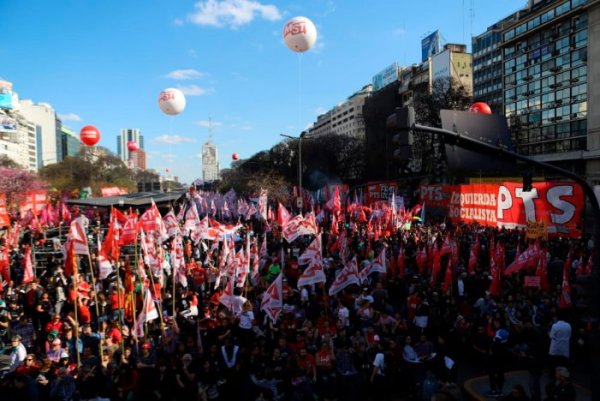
(542, 271)
(401, 262)
(4, 217)
(565, 293)
(335, 229)
(312, 252)
(496, 284)
(130, 230)
(272, 299)
(334, 204)
(28, 274)
(421, 259)
(78, 237)
(110, 247)
(436, 266)
(448, 278)
(473, 256)
(348, 275)
(527, 258)
(70, 260)
(282, 215)
(5, 263)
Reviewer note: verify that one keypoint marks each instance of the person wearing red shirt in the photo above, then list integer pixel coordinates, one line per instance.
(307, 363)
(54, 324)
(324, 363)
(114, 333)
(83, 312)
(412, 303)
(117, 303)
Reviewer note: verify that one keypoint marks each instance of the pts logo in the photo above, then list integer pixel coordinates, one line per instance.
(294, 28)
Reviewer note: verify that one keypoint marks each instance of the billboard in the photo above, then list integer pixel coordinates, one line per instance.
(385, 77)
(8, 124)
(6, 95)
(440, 65)
(558, 205)
(430, 45)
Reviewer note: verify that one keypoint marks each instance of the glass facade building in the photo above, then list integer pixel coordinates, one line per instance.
(544, 62)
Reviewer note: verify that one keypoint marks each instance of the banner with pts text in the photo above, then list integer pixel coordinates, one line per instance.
(558, 205)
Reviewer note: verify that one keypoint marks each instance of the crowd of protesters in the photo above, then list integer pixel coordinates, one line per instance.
(396, 336)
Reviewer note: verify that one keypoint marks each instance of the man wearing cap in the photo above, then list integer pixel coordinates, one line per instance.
(56, 350)
(17, 354)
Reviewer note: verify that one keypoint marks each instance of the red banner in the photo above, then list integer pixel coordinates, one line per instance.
(4, 218)
(34, 200)
(113, 191)
(380, 191)
(557, 204)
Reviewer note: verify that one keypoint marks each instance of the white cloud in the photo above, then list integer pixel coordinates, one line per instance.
(70, 117)
(182, 75)
(208, 123)
(199, 155)
(178, 21)
(232, 13)
(320, 110)
(172, 139)
(195, 90)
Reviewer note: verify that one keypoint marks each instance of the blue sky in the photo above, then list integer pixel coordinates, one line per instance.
(105, 62)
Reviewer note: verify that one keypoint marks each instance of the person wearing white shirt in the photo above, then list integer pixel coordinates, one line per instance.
(560, 335)
(18, 353)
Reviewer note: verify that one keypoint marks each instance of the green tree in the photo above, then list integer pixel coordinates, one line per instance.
(428, 150)
(96, 170)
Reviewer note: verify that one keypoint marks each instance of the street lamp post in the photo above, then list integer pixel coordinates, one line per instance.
(302, 135)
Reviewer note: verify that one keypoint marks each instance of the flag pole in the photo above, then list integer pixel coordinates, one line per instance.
(95, 294)
(76, 302)
(160, 314)
(119, 297)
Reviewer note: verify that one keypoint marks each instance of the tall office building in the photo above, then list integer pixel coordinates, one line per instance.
(210, 162)
(487, 65)
(551, 68)
(128, 135)
(70, 144)
(47, 127)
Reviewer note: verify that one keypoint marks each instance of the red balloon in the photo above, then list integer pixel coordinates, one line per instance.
(132, 146)
(89, 135)
(235, 156)
(480, 107)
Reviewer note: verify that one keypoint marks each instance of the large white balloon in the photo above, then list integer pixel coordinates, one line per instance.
(299, 34)
(171, 101)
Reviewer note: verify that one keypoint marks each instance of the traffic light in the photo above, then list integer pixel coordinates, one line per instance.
(401, 123)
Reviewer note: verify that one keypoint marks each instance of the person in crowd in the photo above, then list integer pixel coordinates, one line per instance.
(393, 337)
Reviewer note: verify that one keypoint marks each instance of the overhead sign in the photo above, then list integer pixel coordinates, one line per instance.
(430, 45)
(440, 65)
(385, 77)
(558, 205)
(6, 95)
(8, 124)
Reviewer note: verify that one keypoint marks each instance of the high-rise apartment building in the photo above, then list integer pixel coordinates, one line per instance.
(551, 70)
(128, 135)
(18, 139)
(210, 162)
(344, 119)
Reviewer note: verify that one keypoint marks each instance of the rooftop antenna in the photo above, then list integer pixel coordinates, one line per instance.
(209, 128)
